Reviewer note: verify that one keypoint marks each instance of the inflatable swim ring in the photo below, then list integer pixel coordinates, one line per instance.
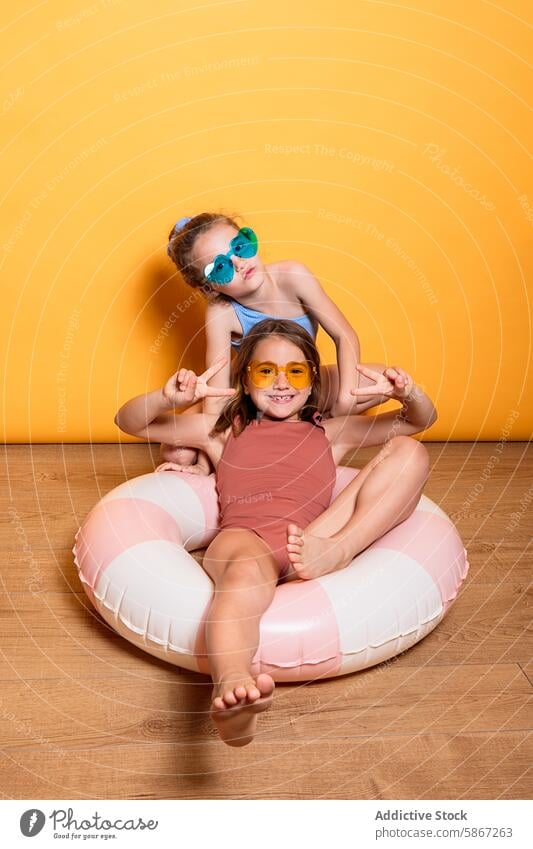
(132, 556)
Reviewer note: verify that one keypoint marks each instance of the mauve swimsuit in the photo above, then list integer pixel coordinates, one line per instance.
(273, 473)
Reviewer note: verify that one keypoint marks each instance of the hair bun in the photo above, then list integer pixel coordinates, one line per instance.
(179, 225)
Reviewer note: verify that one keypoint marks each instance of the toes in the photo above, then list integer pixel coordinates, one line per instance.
(247, 691)
(265, 683)
(229, 698)
(294, 557)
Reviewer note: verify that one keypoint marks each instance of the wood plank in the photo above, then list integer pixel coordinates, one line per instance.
(527, 669)
(54, 510)
(25, 462)
(71, 713)
(50, 469)
(432, 766)
(485, 624)
(42, 512)
(46, 635)
(39, 571)
(42, 571)
(493, 562)
(49, 636)
(53, 569)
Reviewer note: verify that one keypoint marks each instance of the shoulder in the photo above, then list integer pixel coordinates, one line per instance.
(287, 268)
(297, 276)
(219, 308)
(220, 317)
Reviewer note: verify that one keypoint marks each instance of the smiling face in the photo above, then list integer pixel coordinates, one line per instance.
(247, 272)
(280, 400)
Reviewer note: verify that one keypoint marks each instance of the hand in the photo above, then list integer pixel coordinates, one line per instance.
(177, 467)
(394, 383)
(168, 466)
(185, 387)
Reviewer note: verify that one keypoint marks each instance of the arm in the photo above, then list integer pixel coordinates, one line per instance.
(218, 344)
(173, 429)
(416, 414)
(138, 412)
(149, 415)
(336, 326)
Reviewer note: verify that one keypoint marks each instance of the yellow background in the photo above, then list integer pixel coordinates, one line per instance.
(382, 144)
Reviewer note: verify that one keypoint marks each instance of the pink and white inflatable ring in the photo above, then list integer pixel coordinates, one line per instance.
(132, 555)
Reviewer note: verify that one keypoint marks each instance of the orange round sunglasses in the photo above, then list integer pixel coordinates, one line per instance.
(298, 374)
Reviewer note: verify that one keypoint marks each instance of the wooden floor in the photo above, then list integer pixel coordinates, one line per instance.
(83, 714)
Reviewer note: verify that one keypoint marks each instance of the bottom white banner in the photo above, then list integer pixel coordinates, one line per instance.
(264, 823)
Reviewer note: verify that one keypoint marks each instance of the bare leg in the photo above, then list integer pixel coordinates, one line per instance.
(245, 573)
(330, 388)
(382, 495)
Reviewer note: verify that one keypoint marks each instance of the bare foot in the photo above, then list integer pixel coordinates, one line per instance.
(313, 556)
(236, 704)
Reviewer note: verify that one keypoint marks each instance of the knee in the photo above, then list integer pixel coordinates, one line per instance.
(413, 454)
(240, 574)
(167, 453)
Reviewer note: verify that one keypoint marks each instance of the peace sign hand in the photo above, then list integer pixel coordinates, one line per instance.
(185, 387)
(394, 382)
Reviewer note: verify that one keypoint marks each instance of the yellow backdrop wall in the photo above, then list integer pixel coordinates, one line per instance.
(382, 144)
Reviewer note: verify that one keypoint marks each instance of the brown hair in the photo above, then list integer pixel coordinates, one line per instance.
(180, 248)
(240, 410)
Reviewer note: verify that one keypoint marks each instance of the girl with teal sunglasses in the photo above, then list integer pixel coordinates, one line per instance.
(221, 259)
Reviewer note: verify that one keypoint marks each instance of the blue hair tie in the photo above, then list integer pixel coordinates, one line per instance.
(179, 225)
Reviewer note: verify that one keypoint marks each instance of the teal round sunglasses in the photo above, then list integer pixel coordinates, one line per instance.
(221, 270)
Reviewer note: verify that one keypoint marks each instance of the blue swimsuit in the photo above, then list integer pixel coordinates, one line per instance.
(249, 317)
